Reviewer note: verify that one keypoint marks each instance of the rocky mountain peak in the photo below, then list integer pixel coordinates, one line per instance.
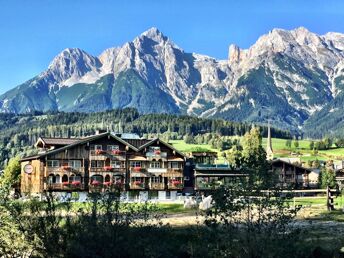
(73, 60)
(153, 34)
(287, 74)
(70, 65)
(234, 54)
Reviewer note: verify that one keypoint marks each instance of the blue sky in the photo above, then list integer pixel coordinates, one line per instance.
(33, 32)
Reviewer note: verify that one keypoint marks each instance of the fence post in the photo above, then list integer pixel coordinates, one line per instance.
(330, 202)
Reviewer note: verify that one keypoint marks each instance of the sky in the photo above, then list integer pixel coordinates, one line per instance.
(33, 32)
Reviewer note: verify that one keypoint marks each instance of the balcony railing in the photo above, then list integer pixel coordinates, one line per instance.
(137, 169)
(175, 172)
(106, 169)
(207, 186)
(157, 186)
(213, 167)
(157, 170)
(173, 186)
(156, 154)
(65, 169)
(65, 186)
(137, 185)
(107, 153)
(71, 169)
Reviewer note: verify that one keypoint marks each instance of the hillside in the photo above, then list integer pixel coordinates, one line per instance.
(18, 133)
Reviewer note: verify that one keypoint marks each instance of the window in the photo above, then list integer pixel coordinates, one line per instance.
(135, 164)
(107, 178)
(115, 164)
(97, 163)
(64, 178)
(112, 147)
(174, 164)
(75, 163)
(98, 147)
(58, 179)
(51, 179)
(65, 163)
(154, 148)
(96, 178)
(74, 178)
(155, 164)
(156, 179)
(53, 163)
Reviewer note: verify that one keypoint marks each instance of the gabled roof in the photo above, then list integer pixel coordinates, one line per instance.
(292, 164)
(57, 141)
(137, 142)
(82, 141)
(164, 143)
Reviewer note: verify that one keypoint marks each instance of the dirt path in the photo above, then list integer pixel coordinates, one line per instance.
(183, 219)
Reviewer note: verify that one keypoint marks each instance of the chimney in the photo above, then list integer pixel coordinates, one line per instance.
(100, 131)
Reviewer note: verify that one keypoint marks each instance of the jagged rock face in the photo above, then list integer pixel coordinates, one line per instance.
(286, 76)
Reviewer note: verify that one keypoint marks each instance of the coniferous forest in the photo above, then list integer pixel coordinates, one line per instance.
(18, 133)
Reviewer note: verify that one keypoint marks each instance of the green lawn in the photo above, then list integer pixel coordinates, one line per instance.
(168, 208)
(334, 152)
(278, 146)
(311, 200)
(186, 148)
(336, 215)
(171, 208)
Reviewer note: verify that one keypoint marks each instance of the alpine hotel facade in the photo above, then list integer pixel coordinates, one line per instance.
(103, 162)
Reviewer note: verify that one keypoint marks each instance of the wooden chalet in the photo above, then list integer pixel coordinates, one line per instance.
(208, 175)
(291, 174)
(101, 163)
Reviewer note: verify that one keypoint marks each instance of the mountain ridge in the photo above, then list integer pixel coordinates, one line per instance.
(287, 76)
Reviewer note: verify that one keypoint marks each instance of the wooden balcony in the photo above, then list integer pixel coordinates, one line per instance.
(136, 186)
(104, 154)
(106, 170)
(64, 170)
(174, 172)
(157, 186)
(156, 155)
(138, 169)
(205, 186)
(208, 186)
(157, 170)
(172, 186)
(65, 187)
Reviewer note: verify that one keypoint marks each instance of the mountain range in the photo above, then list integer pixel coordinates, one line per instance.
(293, 78)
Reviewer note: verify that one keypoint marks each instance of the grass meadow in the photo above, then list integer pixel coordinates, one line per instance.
(279, 147)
